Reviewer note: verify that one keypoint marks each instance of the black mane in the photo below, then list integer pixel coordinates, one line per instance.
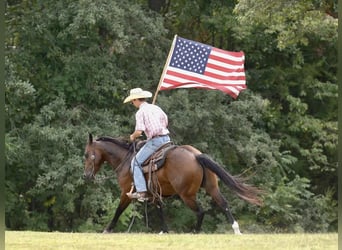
(121, 142)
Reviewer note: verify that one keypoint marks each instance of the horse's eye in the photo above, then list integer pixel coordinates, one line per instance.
(86, 155)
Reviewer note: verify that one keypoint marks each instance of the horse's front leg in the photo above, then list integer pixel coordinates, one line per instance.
(124, 202)
(164, 228)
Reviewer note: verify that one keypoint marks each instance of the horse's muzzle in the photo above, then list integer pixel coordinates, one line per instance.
(89, 176)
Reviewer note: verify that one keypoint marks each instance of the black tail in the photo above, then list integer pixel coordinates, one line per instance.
(244, 191)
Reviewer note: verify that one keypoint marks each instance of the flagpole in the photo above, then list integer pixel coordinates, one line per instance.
(165, 67)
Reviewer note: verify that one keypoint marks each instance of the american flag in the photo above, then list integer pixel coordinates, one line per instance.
(197, 65)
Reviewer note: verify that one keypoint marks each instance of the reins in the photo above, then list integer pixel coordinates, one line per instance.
(97, 178)
(100, 179)
(145, 202)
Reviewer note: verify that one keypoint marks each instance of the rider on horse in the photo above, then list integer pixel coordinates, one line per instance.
(153, 121)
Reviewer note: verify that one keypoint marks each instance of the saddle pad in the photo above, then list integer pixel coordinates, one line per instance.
(157, 159)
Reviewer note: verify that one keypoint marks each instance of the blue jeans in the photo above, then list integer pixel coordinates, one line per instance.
(146, 151)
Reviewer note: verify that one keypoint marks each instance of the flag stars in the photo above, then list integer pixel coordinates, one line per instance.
(190, 56)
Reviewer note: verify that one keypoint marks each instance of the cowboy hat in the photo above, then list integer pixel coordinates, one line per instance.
(137, 93)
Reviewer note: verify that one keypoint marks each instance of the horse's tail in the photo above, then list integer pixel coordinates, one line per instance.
(236, 183)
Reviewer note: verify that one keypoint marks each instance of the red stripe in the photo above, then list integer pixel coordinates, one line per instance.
(224, 60)
(231, 53)
(220, 77)
(223, 69)
(176, 84)
(189, 78)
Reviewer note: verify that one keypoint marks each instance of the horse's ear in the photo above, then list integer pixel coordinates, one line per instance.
(90, 140)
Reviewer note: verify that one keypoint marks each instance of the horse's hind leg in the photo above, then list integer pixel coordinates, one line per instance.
(223, 203)
(192, 203)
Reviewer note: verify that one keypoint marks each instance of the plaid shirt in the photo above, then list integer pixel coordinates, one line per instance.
(152, 120)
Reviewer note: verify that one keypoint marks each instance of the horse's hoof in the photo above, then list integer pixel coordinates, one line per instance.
(236, 228)
(106, 231)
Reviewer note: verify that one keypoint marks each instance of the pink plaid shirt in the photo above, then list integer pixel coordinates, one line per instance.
(152, 120)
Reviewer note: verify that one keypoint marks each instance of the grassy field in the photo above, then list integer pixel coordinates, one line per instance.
(89, 241)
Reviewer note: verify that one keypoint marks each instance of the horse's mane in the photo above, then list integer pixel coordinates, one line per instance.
(118, 141)
(121, 143)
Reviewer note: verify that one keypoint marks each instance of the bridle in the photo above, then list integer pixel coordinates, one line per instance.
(93, 157)
(100, 178)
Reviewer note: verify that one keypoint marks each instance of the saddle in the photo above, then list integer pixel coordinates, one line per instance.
(157, 159)
(151, 165)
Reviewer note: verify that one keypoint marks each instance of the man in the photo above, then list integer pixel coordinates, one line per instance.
(153, 121)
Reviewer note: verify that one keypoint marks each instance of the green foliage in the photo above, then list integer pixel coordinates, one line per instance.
(19, 99)
(283, 208)
(89, 52)
(297, 79)
(293, 22)
(179, 218)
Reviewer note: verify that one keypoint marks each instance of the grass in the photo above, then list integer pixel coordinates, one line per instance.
(18, 240)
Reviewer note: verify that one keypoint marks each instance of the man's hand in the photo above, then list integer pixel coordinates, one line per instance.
(135, 135)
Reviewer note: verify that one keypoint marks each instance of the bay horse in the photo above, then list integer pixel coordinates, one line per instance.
(184, 172)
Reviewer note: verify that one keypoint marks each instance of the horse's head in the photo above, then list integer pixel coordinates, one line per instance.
(92, 159)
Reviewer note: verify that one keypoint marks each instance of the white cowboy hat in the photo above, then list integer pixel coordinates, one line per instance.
(137, 93)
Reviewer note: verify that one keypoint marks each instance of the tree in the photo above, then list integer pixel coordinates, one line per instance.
(77, 59)
(301, 84)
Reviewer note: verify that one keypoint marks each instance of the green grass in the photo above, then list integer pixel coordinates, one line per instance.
(90, 241)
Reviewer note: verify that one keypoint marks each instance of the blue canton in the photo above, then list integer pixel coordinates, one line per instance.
(190, 56)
